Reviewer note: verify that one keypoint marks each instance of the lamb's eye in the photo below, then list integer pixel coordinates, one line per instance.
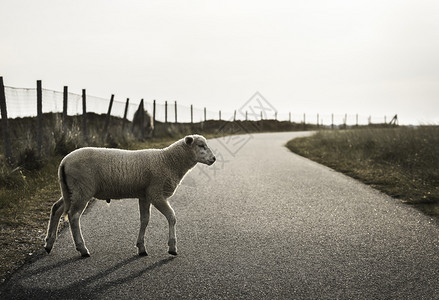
(202, 147)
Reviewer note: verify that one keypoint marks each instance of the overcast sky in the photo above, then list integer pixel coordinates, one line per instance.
(340, 56)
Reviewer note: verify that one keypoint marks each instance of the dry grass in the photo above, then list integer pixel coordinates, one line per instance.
(24, 211)
(402, 162)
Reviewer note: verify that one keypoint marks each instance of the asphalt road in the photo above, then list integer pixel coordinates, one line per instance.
(260, 223)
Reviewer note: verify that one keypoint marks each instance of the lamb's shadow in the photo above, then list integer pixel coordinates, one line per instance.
(88, 287)
(131, 276)
(52, 267)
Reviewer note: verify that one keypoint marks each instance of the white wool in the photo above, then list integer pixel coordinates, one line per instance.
(151, 175)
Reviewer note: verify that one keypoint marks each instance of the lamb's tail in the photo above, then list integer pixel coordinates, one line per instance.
(65, 190)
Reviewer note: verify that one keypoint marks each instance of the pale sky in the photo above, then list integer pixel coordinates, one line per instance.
(344, 56)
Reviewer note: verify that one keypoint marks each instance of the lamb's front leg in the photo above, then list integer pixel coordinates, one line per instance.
(164, 207)
(144, 207)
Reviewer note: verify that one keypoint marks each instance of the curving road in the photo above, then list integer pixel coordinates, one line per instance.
(261, 222)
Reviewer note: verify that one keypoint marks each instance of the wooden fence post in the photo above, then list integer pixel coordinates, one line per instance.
(84, 114)
(289, 116)
(204, 114)
(153, 117)
(275, 115)
(318, 120)
(192, 114)
(64, 107)
(304, 118)
(261, 116)
(234, 116)
(166, 111)
(246, 115)
(175, 104)
(107, 119)
(356, 120)
(5, 128)
(125, 113)
(39, 117)
(332, 121)
(219, 115)
(394, 120)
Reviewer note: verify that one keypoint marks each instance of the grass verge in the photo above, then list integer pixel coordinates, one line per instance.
(24, 208)
(402, 162)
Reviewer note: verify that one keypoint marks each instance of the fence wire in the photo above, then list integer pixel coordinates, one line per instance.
(21, 102)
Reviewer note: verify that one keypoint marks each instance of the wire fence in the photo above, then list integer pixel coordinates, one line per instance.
(21, 102)
(17, 103)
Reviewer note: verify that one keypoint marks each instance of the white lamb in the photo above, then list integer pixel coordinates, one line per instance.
(151, 175)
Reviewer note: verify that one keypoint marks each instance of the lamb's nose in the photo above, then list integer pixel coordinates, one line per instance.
(214, 159)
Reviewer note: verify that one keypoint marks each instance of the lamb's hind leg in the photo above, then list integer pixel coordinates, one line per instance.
(144, 207)
(74, 214)
(52, 229)
(164, 207)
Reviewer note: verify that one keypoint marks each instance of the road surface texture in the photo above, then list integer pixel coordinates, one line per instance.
(261, 222)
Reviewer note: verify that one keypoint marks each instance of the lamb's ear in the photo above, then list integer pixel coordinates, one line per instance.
(189, 140)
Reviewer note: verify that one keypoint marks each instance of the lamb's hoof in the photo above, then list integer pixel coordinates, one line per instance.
(143, 254)
(85, 255)
(48, 249)
(172, 252)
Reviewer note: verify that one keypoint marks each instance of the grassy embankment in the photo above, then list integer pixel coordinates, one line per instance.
(402, 162)
(30, 186)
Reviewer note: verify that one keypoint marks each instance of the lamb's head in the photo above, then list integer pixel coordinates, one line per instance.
(199, 148)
